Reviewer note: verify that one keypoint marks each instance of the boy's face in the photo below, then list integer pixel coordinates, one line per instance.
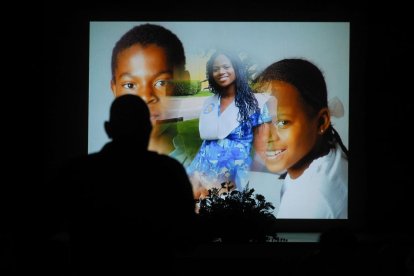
(144, 71)
(291, 135)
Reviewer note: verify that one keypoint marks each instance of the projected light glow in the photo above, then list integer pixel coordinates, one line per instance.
(259, 44)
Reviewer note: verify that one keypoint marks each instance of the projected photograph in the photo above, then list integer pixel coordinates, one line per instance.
(263, 105)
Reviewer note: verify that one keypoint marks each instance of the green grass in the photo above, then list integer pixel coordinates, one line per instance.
(202, 93)
(191, 136)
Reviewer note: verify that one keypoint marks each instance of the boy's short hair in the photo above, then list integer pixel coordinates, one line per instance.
(146, 34)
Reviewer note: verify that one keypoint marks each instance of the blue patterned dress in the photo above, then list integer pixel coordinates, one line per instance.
(227, 159)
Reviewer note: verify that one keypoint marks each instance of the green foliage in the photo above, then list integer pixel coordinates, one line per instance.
(204, 93)
(188, 139)
(237, 216)
(186, 88)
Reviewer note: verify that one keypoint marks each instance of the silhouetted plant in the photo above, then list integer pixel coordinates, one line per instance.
(237, 216)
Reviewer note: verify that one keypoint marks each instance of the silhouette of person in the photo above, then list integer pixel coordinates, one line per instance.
(125, 206)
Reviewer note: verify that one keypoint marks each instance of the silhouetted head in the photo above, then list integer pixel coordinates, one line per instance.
(129, 120)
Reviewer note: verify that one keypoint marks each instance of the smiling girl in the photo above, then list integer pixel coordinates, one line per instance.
(226, 126)
(302, 142)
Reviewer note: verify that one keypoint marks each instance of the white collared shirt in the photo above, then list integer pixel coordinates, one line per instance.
(321, 192)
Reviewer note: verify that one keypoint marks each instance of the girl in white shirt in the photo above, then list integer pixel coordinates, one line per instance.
(302, 142)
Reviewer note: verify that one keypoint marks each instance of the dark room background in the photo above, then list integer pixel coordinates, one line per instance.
(381, 81)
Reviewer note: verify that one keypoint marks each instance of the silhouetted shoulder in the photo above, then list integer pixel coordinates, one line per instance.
(173, 178)
(164, 159)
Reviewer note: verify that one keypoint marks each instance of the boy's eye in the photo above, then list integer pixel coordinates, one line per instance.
(128, 85)
(160, 83)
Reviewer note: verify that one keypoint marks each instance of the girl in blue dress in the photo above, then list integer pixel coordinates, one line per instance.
(226, 126)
